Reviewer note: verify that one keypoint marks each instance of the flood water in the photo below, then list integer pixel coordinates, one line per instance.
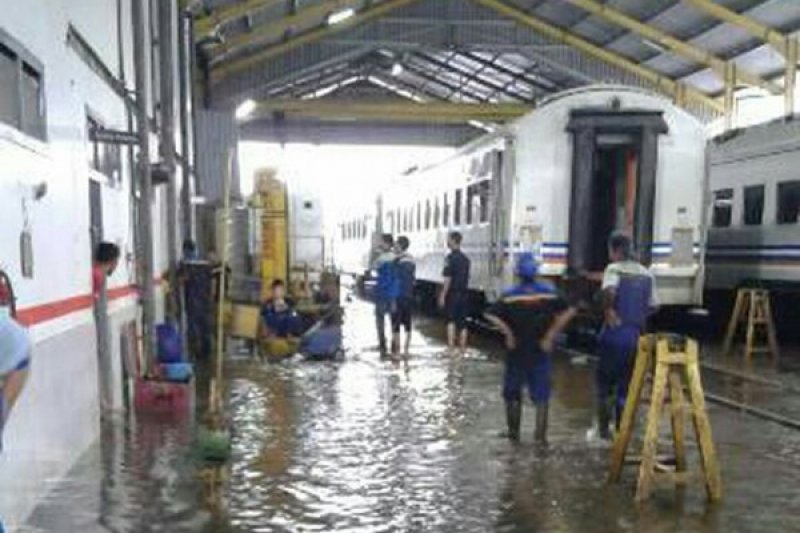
(372, 446)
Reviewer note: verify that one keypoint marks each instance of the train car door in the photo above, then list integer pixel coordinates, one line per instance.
(614, 166)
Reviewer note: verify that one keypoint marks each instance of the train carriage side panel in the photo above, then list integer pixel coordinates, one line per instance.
(755, 197)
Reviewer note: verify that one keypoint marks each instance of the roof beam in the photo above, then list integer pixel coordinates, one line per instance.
(222, 71)
(469, 76)
(539, 81)
(206, 24)
(389, 111)
(681, 48)
(661, 82)
(274, 30)
(430, 79)
(769, 35)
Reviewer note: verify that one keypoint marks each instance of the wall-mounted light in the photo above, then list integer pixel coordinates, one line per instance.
(337, 17)
(244, 109)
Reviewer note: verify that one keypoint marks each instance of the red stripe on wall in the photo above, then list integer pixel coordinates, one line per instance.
(37, 314)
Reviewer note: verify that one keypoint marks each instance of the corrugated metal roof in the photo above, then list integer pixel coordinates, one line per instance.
(455, 49)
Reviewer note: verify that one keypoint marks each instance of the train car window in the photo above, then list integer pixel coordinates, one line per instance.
(459, 201)
(445, 211)
(419, 216)
(753, 205)
(483, 200)
(723, 208)
(788, 202)
(427, 214)
(471, 193)
(390, 222)
(437, 213)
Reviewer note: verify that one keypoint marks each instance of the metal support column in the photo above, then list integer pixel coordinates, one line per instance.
(730, 95)
(166, 146)
(184, 81)
(790, 82)
(139, 21)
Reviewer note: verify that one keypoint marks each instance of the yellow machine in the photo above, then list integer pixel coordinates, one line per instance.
(271, 198)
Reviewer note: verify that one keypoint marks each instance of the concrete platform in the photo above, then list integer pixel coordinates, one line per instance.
(375, 446)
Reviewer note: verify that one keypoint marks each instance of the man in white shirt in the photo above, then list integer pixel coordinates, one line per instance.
(629, 297)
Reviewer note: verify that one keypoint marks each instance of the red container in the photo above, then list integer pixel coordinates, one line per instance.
(164, 397)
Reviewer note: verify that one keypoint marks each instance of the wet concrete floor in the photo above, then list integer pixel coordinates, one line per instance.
(374, 446)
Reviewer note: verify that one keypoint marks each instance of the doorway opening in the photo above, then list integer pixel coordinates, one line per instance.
(616, 176)
(614, 165)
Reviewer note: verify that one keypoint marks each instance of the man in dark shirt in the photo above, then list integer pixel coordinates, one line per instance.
(454, 298)
(530, 315)
(406, 274)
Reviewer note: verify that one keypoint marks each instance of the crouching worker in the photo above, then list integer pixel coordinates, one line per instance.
(628, 293)
(324, 339)
(15, 354)
(280, 324)
(530, 315)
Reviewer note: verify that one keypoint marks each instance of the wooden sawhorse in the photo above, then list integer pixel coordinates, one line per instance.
(754, 309)
(673, 362)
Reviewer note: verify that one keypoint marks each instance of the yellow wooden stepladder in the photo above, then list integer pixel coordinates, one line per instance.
(752, 308)
(673, 363)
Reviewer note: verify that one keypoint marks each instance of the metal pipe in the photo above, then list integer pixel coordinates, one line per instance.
(193, 100)
(166, 145)
(139, 22)
(790, 79)
(187, 222)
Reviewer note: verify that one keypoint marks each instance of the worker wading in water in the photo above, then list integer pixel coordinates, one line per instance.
(530, 315)
(628, 293)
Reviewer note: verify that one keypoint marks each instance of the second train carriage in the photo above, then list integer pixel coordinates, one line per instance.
(754, 235)
(557, 182)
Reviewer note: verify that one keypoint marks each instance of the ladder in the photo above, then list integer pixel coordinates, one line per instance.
(673, 363)
(752, 308)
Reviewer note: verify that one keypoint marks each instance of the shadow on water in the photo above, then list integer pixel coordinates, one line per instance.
(375, 446)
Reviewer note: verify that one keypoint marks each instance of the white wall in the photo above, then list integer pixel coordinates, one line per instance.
(58, 414)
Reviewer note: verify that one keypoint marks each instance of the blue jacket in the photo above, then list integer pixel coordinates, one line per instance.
(387, 287)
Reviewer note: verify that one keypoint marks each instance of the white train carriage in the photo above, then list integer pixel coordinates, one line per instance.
(557, 182)
(755, 191)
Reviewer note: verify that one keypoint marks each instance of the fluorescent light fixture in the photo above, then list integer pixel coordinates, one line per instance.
(397, 69)
(340, 16)
(244, 109)
(658, 47)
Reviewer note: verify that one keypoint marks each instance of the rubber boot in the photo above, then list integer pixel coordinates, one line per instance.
(603, 419)
(513, 419)
(540, 435)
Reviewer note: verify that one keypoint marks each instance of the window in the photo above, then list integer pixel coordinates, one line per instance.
(457, 207)
(753, 205)
(8, 86)
(390, 222)
(437, 213)
(427, 214)
(723, 208)
(445, 212)
(483, 201)
(419, 216)
(103, 157)
(470, 201)
(21, 90)
(788, 202)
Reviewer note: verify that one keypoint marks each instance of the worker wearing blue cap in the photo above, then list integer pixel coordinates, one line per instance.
(628, 299)
(530, 315)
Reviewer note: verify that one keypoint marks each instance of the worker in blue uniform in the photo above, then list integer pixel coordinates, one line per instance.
(386, 287)
(628, 293)
(530, 316)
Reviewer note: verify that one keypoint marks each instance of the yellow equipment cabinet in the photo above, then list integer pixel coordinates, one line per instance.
(272, 200)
